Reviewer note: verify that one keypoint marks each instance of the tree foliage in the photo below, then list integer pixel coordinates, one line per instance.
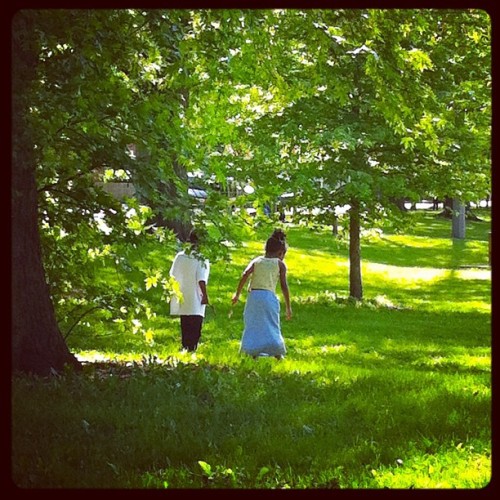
(376, 103)
(356, 107)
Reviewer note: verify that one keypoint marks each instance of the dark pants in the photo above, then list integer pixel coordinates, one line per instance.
(191, 331)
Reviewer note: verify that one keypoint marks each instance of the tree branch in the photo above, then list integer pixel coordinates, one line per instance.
(79, 319)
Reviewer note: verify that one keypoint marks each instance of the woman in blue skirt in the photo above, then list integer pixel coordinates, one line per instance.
(262, 332)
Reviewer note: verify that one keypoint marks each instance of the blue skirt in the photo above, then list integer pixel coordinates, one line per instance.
(262, 334)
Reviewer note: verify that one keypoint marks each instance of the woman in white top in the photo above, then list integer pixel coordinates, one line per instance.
(262, 332)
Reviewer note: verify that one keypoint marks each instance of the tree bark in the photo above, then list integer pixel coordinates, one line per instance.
(447, 208)
(335, 224)
(458, 220)
(355, 283)
(400, 203)
(37, 343)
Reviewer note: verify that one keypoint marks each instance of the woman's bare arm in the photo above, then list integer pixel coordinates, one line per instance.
(241, 284)
(284, 289)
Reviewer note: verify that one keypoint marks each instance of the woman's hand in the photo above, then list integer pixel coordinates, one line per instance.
(235, 298)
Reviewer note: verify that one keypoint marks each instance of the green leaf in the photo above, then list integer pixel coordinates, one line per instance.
(207, 469)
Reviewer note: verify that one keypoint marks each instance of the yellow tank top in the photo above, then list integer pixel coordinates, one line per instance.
(265, 273)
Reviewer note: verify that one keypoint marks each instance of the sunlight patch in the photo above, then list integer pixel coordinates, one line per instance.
(481, 363)
(474, 274)
(92, 357)
(422, 470)
(407, 273)
(339, 348)
(383, 301)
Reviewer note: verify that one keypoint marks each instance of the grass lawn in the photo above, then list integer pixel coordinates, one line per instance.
(390, 392)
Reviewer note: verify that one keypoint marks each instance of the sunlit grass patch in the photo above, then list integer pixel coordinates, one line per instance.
(404, 274)
(424, 471)
(335, 349)
(92, 356)
(473, 274)
(458, 362)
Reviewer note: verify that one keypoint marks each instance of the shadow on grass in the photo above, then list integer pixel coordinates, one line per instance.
(361, 414)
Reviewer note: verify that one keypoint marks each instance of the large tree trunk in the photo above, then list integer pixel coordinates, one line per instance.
(37, 344)
(355, 283)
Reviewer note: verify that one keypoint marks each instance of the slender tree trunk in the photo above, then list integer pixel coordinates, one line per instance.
(355, 283)
(37, 344)
(335, 224)
(458, 220)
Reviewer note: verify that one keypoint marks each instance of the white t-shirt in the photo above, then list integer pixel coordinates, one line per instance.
(189, 271)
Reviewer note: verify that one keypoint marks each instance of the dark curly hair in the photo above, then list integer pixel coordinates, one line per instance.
(276, 242)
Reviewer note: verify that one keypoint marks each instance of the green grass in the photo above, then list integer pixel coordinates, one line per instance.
(392, 392)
